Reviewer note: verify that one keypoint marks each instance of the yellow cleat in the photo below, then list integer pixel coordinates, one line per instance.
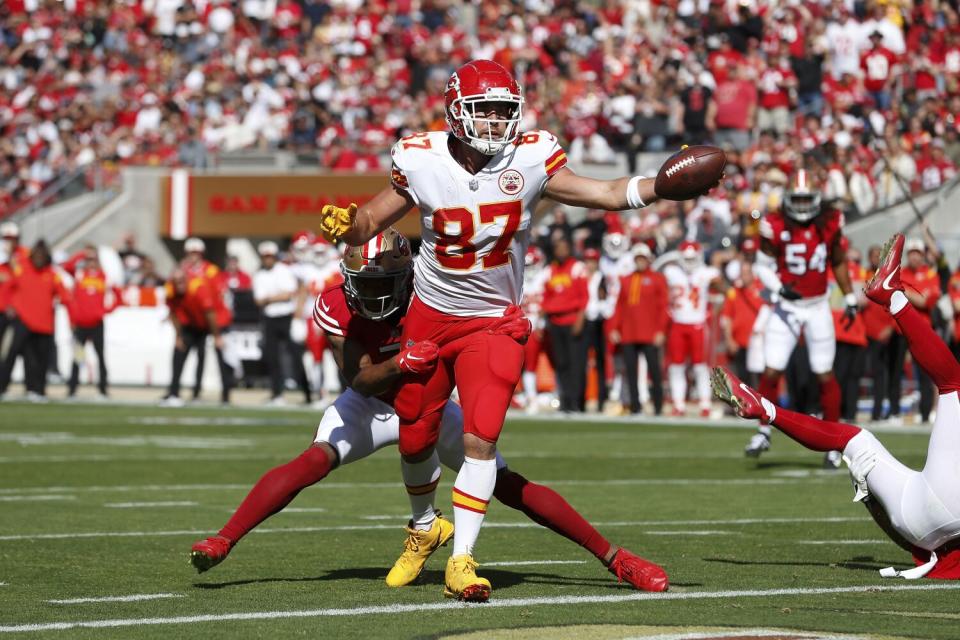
(462, 581)
(419, 546)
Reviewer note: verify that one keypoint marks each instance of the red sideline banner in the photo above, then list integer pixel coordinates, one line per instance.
(261, 204)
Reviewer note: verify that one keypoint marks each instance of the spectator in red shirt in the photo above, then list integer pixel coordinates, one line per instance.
(639, 325)
(92, 300)
(877, 64)
(233, 278)
(564, 305)
(36, 286)
(9, 250)
(776, 84)
(738, 316)
(196, 311)
(199, 270)
(922, 288)
(735, 103)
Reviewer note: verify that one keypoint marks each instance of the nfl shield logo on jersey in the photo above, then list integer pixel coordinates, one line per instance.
(511, 182)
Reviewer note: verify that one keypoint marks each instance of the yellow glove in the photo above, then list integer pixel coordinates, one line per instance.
(336, 221)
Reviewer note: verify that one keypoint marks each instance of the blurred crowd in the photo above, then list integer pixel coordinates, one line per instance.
(866, 90)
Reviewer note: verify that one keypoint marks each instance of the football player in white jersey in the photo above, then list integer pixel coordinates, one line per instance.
(689, 285)
(919, 510)
(476, 188)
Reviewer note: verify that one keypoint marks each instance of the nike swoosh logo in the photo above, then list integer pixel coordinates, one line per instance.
(886, 281)
(413, 358)
(324, 305)
(749, 392)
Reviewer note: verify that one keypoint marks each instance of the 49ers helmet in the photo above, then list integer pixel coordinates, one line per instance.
(377, 275)
(482, 81)
(801, 200)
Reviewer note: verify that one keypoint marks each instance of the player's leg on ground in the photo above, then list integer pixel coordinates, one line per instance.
(548, 508)
(701, 373)
(421, 475)
(179, 359)
(651, 353)
(779, 341)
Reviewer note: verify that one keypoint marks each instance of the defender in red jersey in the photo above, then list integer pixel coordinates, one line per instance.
(918, 510)
(363, 320)
(801, 240)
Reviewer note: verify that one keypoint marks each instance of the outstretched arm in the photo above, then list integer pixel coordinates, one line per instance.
(385, 209)
(566, 187)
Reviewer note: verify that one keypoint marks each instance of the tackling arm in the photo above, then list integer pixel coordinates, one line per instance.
(362, 375)
(566, 187)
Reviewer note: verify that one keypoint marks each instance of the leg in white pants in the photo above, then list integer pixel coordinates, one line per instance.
(678, 385)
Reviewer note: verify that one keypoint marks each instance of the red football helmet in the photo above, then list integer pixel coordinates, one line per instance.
(801, 200)
(483, 82)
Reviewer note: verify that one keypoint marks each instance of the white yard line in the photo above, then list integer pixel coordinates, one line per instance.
(695, 532)
(302, 510)
(36, 498)
(526, 563)
(865, 541)
(96, 457)
(122, 488)
(139, 597)
(446, 606)
(137, 505)
(525, 524)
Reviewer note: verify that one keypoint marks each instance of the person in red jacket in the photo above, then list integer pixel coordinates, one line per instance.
(923, 291)
(36, 286)
(92, 300)
(196, 311)
(639, 325)
(564, 306)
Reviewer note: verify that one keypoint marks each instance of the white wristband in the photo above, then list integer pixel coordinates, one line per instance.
(633, 193)
(850, 299)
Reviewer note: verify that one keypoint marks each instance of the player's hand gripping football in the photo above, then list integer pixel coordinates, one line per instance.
(513, 323)
(336, 221)
(421, 357)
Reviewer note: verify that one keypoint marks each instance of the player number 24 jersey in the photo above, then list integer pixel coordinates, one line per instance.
(475, 227)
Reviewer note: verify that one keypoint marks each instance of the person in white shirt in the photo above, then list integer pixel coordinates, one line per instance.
(600, 306)
(274, 290)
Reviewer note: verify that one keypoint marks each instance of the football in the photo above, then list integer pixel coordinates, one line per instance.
(689, 172)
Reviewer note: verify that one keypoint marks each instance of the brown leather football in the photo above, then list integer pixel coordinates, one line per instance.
(690, 172)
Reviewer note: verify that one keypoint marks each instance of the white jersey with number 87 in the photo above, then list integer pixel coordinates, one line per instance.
(475, 227)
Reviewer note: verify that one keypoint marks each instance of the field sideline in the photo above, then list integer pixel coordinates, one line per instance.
(100, 504)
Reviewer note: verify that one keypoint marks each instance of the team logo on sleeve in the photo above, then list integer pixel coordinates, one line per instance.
(511, 182)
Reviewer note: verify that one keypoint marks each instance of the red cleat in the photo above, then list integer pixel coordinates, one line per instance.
(887, 278)
(642, 574)
(207, 554)
(704, 413)
(744, 400)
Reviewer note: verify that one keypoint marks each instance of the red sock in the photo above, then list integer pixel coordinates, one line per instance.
(548, 508)
(769, 388)
(275, 490)
(830, 400)
(813, 433)
(928, 350)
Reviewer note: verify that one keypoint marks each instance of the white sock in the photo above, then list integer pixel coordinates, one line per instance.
(897, 302)
(471, 495)
(678, 385)
(701, 374)
(530, 386)
(421, 479)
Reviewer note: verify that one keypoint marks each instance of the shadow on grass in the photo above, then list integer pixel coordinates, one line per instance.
(500, 579)
(858, 563)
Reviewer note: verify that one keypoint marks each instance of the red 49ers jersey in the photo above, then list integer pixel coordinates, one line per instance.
(475, 227)
(380, 340)
(803, 251)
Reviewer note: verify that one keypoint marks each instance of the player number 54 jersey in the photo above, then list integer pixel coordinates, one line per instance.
(803, 251)
(475, 227)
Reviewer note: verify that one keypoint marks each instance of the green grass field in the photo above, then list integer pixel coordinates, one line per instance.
(99, 502)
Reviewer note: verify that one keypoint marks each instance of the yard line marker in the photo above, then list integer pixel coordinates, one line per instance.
(525, 563)
(36, 498)
(524, 524)
(301, 510)
(97, 457)
(135, 505)
(698, 532)
(394, 485)
(865, 541)
(452, 605)
(134, 598)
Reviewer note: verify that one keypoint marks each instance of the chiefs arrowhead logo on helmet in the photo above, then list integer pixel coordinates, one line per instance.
(801, 200)
(484, 106)
(377, 275)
